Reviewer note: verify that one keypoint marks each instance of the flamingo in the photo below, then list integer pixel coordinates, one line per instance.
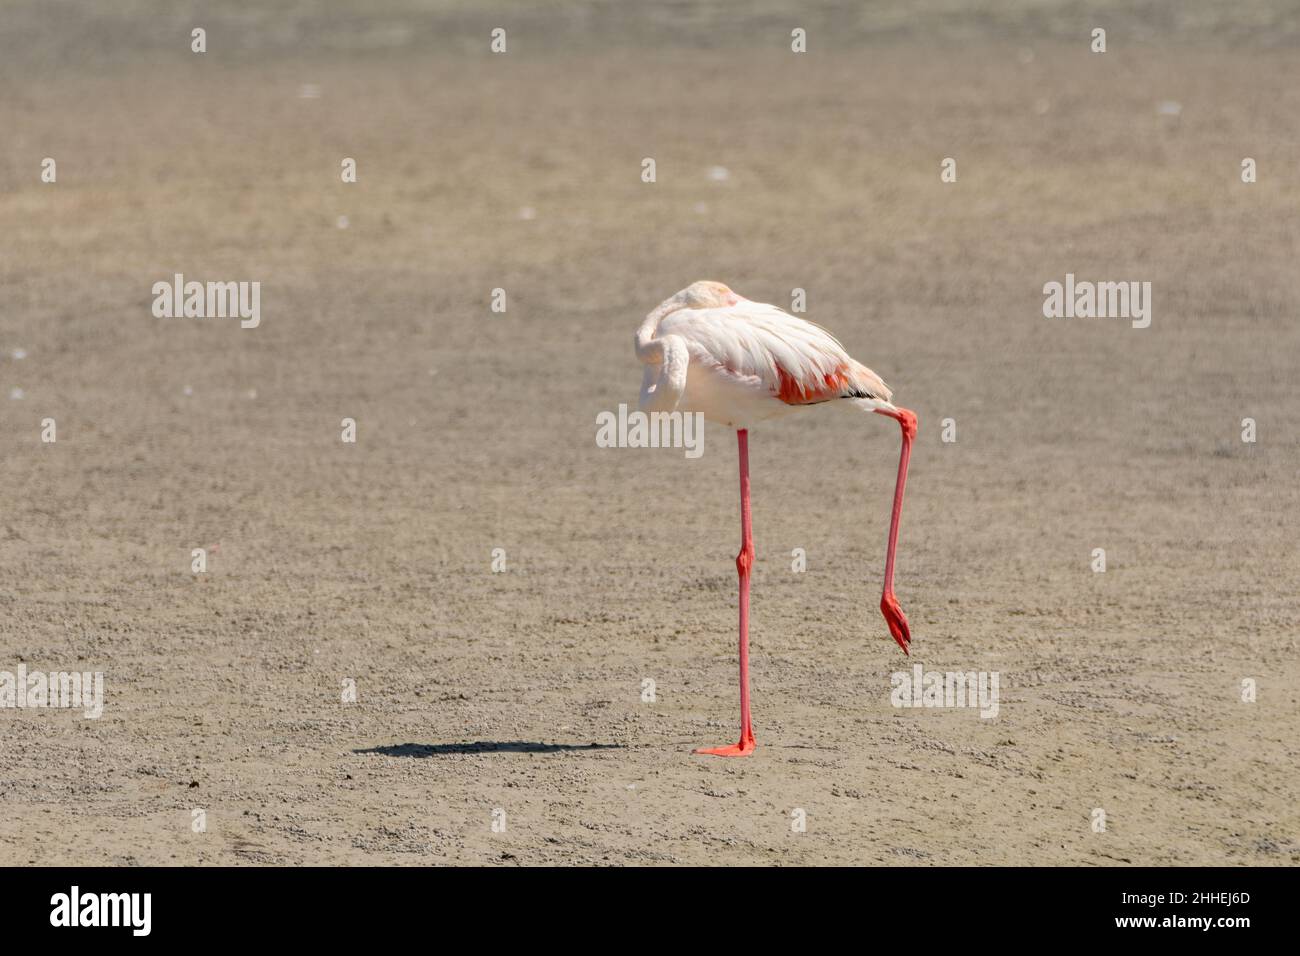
(707, 349)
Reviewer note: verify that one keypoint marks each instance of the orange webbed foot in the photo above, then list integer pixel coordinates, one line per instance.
(897, 621)
(742, 749)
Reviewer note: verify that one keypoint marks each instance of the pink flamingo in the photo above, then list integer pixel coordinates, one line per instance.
(707, 349)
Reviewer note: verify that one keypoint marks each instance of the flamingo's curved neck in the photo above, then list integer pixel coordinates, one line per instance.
(648, 350)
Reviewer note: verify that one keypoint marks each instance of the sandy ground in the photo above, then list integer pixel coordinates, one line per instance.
(521, 691)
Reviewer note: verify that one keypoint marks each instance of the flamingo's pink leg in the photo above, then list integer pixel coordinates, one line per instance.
(894, 616)
(744, 562)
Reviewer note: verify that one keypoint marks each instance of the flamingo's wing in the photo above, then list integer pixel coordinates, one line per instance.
(799, 362)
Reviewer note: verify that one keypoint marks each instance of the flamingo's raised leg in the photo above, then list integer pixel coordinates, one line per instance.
(894, 615)
(744, 562)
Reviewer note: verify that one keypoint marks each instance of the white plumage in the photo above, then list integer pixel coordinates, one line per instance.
(709, 350)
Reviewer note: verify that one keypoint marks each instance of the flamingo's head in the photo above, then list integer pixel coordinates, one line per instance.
(707, 295)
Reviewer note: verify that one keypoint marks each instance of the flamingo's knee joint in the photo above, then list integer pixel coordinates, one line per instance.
(745, 561)
(906, 419)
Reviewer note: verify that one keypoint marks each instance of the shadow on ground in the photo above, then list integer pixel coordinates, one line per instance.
(481, 747)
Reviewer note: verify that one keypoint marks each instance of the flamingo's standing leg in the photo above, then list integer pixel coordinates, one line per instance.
(888, 603)
(744, 562)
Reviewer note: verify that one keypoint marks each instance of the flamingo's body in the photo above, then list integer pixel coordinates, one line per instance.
(707, 349)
